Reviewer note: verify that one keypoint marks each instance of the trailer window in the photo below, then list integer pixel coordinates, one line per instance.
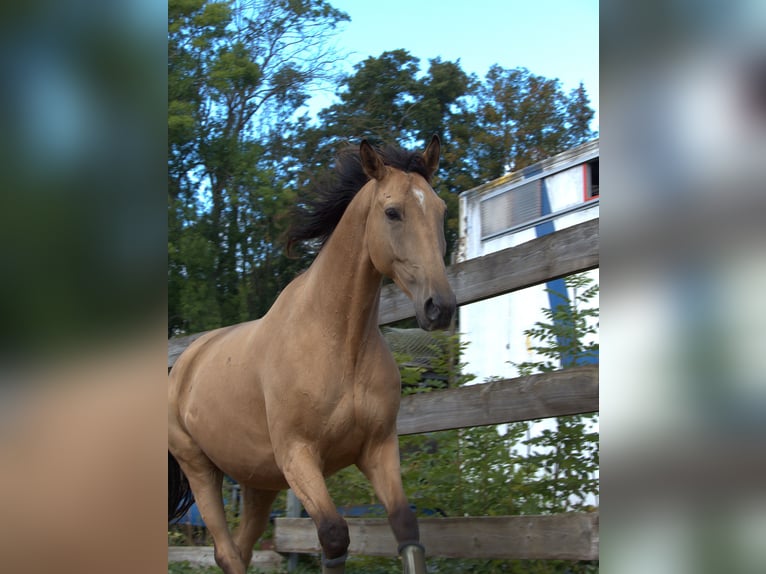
(510, 208)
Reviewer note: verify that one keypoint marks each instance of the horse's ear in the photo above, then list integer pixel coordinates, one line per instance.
(431, 155)
(371, 162)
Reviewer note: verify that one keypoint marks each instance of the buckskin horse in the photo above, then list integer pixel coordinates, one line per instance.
(312, 387)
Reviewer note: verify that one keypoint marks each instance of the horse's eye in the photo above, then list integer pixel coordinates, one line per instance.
(393, 214)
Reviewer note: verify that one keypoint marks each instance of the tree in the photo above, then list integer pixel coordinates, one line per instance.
(522, 118)
(376, 100)
(579, 117)
(236, 70)
(511, 119)
(388, 99)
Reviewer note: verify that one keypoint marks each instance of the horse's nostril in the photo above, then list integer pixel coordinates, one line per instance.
(432, 310)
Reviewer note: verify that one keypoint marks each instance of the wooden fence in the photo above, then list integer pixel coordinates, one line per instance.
(572, 536)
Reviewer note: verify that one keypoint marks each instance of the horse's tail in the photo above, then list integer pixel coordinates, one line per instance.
(180, 497)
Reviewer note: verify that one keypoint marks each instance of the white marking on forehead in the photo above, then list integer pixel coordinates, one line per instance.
(420, 197)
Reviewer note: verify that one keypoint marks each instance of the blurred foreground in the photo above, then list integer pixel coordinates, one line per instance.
(683, 344)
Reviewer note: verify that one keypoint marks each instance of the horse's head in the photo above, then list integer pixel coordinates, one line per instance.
(405, 234)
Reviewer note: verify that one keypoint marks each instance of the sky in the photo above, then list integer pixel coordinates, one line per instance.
(551, 38)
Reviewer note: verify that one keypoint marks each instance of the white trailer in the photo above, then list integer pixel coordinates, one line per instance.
(548, 196)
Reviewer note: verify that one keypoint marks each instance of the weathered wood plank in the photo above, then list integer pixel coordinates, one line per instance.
(555, 537)
(566, 392)
(264, 560)
(559, 254)
(568, 251)
(177, 345)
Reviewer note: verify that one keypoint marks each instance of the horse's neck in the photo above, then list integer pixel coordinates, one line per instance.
(344, 280)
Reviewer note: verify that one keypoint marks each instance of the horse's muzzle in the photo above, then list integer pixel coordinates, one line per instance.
(437, 312)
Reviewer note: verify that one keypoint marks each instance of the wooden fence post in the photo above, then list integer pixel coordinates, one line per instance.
(293, 511)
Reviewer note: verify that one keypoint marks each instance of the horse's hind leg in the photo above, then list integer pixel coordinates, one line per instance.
(206, 485)
(205, 480)
(255, 517)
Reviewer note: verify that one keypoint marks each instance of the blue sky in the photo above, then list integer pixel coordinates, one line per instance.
(552, 38)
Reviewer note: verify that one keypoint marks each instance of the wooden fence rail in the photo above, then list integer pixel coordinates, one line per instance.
(566, 392)
(571, 536)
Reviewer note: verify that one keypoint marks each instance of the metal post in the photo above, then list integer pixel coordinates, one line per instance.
(293, 511)
(236, 499)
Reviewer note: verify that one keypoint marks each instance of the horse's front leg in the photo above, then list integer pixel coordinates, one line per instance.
(380, 464)
(302, 469)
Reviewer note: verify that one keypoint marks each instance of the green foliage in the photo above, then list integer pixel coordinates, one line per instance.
(515, 119)
(236, 71)
(565, 457)
(568, 333)
(444, 363)
(187, 568)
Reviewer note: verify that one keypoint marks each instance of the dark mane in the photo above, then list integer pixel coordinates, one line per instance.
(321, 206)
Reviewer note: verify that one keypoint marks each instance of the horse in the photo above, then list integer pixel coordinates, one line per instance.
(312, 387)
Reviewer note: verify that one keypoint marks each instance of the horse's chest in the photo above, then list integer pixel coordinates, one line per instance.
(356, 414)
(335, 407)
(349, 429)
(341, 419)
